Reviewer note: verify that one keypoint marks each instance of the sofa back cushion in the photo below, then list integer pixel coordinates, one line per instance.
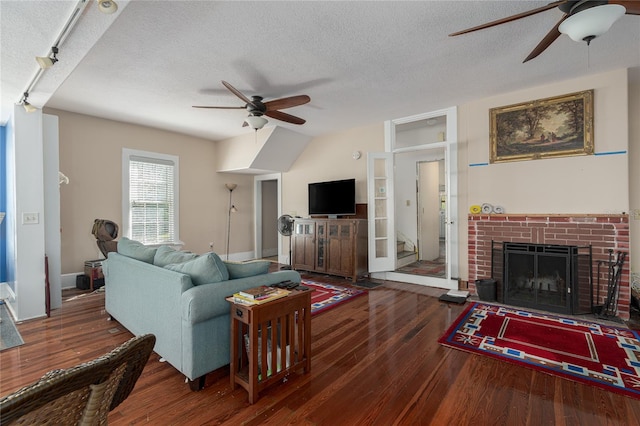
(247, 269)
(136, 250)
(166, 255)
(204, 269)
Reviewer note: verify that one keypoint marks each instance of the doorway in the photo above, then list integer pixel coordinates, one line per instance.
(424, 241)
(418, 224)
(267, 210)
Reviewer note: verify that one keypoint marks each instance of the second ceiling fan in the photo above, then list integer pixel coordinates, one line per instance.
(257, 108)
(589, 19)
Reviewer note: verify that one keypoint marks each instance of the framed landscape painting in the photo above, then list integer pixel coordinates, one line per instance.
(553, 127)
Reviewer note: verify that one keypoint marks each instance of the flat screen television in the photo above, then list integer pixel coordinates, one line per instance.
(335, 198)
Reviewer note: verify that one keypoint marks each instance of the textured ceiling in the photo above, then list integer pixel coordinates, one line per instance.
(360, 62)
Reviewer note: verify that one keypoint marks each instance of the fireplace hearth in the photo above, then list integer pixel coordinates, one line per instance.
(602, 232)
(553, 278)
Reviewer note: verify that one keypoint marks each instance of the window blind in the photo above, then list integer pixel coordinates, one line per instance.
(152, 198)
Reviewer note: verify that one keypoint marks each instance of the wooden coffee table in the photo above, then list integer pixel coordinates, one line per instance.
(283, 325)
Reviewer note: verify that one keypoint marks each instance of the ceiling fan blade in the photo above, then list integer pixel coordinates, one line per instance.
(632, 6)
(217, 107)
(283, 116)
(510, 18)
(237, 93)
(289, 102)
(546, 41)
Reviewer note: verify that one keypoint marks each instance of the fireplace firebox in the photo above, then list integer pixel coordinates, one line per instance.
(553, 278)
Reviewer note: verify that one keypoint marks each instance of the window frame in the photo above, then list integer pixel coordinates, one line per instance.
(132, 154)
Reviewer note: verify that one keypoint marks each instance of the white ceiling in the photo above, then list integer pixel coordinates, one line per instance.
(360, 62)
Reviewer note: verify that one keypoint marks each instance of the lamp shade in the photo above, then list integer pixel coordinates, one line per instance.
(256, 122)
(591, 23)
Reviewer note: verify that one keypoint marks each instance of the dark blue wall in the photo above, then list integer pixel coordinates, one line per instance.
(3, 204)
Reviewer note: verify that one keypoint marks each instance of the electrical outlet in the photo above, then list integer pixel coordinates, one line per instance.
(30, 218)
(635, 214)
(211, 245)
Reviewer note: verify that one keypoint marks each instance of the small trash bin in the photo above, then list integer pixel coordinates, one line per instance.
(486, 290)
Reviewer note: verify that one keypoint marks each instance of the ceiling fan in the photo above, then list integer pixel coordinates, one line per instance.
(583, 20)
(257, 108)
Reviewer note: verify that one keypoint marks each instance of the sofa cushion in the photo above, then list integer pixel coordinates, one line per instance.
(136, 250)
(166, 255)
(247, 269)
(204, 269)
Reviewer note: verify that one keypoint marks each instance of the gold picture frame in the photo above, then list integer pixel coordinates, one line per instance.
(560, 126)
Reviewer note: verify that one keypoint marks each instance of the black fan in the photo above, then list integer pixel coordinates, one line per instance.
(285, 228)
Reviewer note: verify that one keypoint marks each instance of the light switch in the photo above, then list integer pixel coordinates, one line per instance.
(408, 203)
(30, 218)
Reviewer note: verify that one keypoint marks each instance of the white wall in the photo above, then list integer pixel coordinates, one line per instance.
(26, 254)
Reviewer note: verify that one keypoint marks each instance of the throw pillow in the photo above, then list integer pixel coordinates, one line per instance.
(247, 269)
(166, 255)
(136, 250)
(204, 269)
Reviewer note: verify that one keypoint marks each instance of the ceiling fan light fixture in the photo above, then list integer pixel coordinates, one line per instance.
(591, 23)
(107, 6)
(256, 122)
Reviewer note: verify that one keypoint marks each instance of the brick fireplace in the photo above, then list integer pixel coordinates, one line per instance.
(601, 232)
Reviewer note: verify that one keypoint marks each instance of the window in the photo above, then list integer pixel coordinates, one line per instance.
(150, 197)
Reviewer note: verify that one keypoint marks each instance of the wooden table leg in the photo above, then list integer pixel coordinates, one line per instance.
(233, 364)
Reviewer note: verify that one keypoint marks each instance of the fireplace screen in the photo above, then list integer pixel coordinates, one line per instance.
(546, 277)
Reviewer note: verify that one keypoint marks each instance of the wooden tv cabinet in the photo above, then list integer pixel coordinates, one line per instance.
(331, 246)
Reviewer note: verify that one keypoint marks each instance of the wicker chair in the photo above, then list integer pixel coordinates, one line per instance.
(83, 394)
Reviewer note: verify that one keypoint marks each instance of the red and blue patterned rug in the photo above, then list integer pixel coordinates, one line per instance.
(327, 296)
(591, 353)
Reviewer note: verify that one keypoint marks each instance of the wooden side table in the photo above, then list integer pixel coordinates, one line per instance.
(279, 340)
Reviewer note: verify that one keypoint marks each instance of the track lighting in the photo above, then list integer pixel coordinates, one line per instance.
(107, 6)
(27, 106)
(256, 122)
(48, 61)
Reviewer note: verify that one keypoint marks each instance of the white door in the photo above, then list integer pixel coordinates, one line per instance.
(382, 252)
(414, 137)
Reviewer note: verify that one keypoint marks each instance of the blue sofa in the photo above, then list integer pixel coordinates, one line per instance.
(183, 303)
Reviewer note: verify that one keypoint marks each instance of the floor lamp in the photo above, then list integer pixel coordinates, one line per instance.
(232, 209)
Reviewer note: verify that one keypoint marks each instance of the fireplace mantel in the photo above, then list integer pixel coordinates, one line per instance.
(603, 232)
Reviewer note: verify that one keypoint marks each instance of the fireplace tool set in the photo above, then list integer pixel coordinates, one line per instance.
(614, 272)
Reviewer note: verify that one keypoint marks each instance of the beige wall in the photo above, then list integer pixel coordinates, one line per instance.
(91, 156)
(634, 169)
(583, 184)
(327, 158)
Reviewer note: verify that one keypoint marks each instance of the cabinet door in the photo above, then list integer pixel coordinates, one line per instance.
(340, 244)
(304, 245)
(321, 246)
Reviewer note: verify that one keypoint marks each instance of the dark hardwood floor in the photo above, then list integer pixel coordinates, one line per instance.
(375, 360)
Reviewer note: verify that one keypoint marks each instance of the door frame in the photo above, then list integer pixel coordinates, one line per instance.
(257, 212)
(450, 147)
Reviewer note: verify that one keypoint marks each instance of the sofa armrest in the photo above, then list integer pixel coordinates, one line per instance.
(203, 302)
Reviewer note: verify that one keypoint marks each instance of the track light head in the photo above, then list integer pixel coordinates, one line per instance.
(48, 61)
(107, 6)
(26, 105)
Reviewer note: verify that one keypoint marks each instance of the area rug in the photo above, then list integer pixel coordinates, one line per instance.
(9, 336)
(327, 296)
(595, 354)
